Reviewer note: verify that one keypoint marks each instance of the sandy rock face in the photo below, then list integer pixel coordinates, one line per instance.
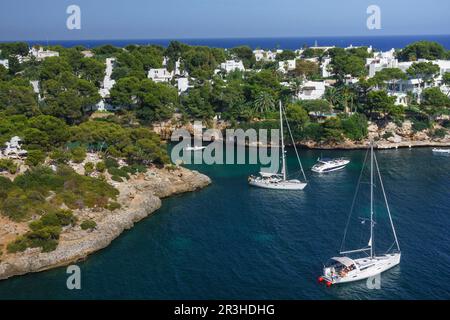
(139, 197)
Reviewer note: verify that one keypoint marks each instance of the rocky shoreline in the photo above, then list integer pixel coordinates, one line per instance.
(139, 197)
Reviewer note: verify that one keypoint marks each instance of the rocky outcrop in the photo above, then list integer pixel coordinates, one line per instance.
(139, 197)
(389, 136)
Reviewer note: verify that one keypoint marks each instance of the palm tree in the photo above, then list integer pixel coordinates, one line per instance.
(332, 96)
(264, 102)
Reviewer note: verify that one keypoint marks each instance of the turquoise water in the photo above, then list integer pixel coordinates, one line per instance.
(230, 241)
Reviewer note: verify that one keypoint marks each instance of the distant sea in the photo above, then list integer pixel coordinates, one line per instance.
(378, 42)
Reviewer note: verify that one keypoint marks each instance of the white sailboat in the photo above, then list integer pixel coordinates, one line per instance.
(277, 180)
(344, 269)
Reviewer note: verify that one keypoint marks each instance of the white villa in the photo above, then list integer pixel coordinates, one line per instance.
(106, 87)
(312, 90)
(87, 53)
(182, 84)
(262, 55)
(13, 149)
(380, 61)
(41, 54)
(160, 75)
(5, 63)
(325, 68)
(400, 89)
(232, 65)
(287, 65)
(35, 85)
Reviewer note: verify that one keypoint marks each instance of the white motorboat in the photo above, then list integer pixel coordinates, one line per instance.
(279, 181)
(441, 151)
(328, 165)
(194, 148)
(344, 269)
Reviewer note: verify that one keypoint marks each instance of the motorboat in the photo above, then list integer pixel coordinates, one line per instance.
(441, 151)
(195, 148)
(328, 165)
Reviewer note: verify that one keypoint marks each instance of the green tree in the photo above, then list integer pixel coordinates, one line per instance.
(264, 102)
(422, 50)
(424, 71)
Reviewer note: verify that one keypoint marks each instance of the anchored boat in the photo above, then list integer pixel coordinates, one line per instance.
(279, 180)
(328, 165)
(441, 151)
(344, 268)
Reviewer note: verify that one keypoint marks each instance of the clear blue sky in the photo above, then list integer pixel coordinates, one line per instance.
(139, 19)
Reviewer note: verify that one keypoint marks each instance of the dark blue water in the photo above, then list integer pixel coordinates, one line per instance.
(378, 42)
(230, 241)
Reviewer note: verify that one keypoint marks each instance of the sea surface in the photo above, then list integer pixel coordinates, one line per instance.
(378, 42)
(232, 241)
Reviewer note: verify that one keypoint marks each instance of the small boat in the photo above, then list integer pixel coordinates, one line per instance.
(194, 148)
(279, 181)
(438, 150)
(328, 165)
(367, 264)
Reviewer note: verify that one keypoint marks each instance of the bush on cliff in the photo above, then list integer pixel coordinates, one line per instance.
(88, 225)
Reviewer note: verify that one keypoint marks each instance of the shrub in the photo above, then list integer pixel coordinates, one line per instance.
(78, 154)
(135, 168)
(114, 205)
(8, 165)
(35, 157)
(111, 163)
(418, 126)
(314, 131)
(60, 156)
(118, 172)
(117, 178)
(387, 135)
(439, 133)
(88, 168)
(88, 225)
(100, 167)
(355, 127)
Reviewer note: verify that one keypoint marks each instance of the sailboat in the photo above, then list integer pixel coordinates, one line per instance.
(277, 180)
(344, 268)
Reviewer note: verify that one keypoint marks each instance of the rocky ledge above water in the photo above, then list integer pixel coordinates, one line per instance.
(139, 197)
(390, 136)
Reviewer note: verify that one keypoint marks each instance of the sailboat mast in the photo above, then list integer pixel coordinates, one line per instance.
(283, 158)
(371, 199)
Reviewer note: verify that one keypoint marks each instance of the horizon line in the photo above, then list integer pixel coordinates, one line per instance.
(225, 38)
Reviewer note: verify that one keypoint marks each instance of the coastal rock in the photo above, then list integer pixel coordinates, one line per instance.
(395, 139)
(76, 244)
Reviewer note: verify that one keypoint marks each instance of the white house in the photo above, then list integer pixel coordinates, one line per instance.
(287, 65)
(87, 53)
(5, 63)
(312, 90)
(380, 61)
(262, 55)
(232, 65)
(326, 68)
(35, 85)
(13, 149)
(182, 84)
(41, 54)
(160, 75)
(106, 86)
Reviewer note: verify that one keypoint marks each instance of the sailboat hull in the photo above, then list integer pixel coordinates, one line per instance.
(281, 185)
(367, 268)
